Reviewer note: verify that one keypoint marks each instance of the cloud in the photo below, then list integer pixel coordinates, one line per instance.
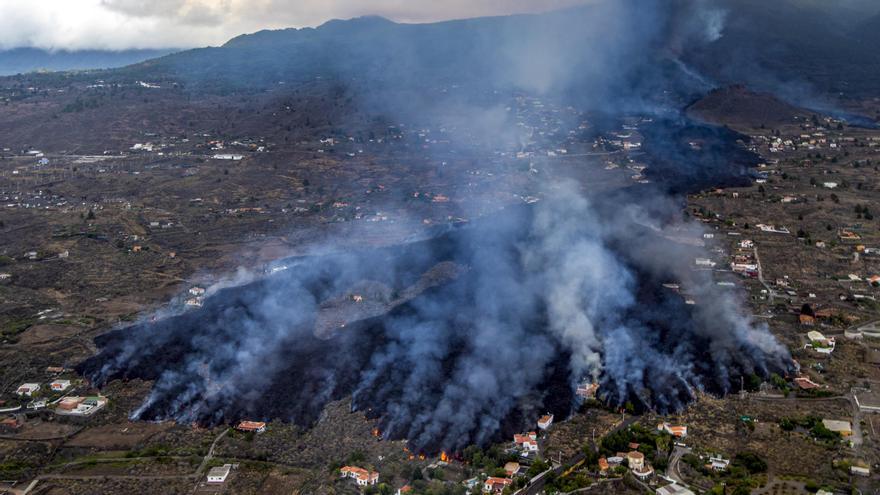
(123, 24)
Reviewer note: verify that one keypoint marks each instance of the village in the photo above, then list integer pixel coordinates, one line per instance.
(100, 235)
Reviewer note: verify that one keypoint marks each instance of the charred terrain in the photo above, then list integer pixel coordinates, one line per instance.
(401, 261)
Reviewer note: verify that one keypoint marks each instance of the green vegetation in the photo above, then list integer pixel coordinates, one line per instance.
(14, 468)
(813, 424)
(650, 442)
(489, 460)
(15, 326)
(565, 484)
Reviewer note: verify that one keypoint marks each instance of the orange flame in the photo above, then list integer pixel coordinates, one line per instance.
(421, 457)
(376, 432)
(444, 457)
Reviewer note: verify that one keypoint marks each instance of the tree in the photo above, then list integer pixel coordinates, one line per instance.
(751, 461)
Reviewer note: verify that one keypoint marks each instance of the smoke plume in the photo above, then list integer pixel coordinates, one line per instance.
(473, 332)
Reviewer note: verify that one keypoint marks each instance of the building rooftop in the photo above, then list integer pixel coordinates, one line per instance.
(220, 471)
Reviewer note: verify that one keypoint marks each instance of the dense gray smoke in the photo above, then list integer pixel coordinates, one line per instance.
(493, 323)
(474, 332)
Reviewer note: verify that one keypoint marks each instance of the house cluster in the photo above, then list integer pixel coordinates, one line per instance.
(39, 199)
(361, 476)
(744, 261)
(30, 389)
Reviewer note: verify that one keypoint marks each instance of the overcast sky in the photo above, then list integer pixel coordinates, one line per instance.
(121, 24)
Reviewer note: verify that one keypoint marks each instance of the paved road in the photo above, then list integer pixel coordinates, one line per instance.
(674, 460)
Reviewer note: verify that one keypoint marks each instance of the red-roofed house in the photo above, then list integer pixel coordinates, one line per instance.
(676, 431)
(528, 441)
(545, 421)
(496, 485)
(254, 426)
(360, 475)
(805, 383)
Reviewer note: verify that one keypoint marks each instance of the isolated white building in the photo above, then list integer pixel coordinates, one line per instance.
(219, 474)
(28, 389)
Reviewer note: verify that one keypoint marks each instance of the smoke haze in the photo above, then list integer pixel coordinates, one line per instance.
(471, 334)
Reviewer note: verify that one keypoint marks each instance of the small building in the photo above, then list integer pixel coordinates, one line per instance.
(644, 472)
(512, 469)
(820, 343)
(718, 463)
(496, 485)
(842, 427)
(361, 476)
(197, 291)
(804, 383)
(28, 389)
(219, 474)
(69, 403)
(544, 422)
(528, 441)
(635, 460)
(678, 431)
(587, 390)
(59, 385)
(251, 426)
(807, 320)
(860, 471)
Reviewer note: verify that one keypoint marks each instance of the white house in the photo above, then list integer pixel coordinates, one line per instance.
(361, 476)
(219, 474)
(59, 385)
(860, 471)
(718, 463)
(545, 421)
(28, 389)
